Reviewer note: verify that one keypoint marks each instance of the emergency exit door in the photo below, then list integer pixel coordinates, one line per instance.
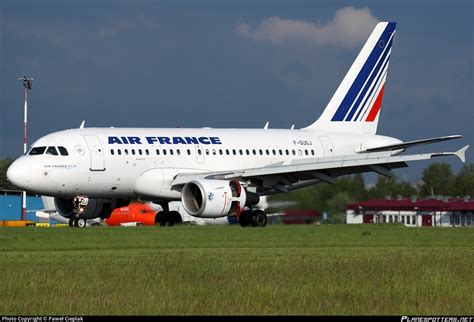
(96, 153)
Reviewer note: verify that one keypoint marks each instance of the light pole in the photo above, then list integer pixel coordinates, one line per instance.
(27, 85)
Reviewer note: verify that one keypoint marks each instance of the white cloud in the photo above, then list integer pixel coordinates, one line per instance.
(348, 29)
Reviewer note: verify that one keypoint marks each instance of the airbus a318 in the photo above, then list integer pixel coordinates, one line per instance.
(221, 172)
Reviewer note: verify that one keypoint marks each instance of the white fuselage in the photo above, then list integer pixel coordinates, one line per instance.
(107, 162)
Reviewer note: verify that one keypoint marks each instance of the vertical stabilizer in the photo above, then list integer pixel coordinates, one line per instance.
(355, 106)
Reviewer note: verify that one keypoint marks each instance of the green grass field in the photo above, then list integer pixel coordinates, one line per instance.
(228, 270)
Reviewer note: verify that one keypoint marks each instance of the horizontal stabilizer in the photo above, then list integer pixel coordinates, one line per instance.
(410, 144)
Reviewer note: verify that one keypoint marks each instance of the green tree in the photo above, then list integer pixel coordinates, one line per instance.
(438, 179)
(389, 186)
(336, 206)
(464, 181)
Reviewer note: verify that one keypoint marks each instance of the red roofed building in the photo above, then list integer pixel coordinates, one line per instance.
(442, 211)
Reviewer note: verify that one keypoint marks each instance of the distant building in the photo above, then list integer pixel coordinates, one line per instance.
(440, 211)
(10, 206)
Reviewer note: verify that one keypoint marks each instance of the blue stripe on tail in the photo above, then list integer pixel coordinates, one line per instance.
(363, 74)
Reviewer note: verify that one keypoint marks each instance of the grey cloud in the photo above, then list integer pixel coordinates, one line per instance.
(348, 29)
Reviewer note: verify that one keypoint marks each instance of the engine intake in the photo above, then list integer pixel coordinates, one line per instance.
(213, 198)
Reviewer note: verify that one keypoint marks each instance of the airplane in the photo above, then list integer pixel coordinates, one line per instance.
(222, 172)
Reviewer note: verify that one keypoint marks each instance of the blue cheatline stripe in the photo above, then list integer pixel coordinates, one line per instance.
(363, 74)
(375, 85)
(357, 106)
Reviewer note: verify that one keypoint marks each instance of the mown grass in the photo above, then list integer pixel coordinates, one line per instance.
(227, 270)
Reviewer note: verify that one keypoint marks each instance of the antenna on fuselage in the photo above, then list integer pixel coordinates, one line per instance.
(82, 124)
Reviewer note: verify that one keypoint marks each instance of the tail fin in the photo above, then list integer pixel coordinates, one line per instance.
(355, 105)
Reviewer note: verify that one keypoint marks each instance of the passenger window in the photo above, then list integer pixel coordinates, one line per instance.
(240, 152)
(293, 152)
(207, 151)
(178, 152)
(274, 152)
(234, 152)
(220, 151)
(199, 152)
(254, 152)
(312, 152)
(164, 151)
(300, 152)
(227, 151)
(171, 152)
(112, 151)
(213, 151)
(52, 151)
(267, 152)
(133, 151)
(62, 150)
(247, 152)
(140, 151)
(126, 151)
(189, 152)
(147, 152)
(287, 152)
(157, 152)
(280, 152)
(261, 152)
(119, 152)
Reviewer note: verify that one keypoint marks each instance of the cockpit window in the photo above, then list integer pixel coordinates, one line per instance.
(62, 150)
(37, 150)
(52, 150)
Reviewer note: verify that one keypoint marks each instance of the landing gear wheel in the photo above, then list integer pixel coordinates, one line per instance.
(160, 218)
(245, 218)
(174, 217)
(259, 218)
(72, 222)
(81, 222)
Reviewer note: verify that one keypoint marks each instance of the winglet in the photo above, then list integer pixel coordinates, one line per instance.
(461, 153)
(266, 125)
(82, 124)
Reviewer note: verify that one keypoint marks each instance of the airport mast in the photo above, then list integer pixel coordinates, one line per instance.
(27, 85)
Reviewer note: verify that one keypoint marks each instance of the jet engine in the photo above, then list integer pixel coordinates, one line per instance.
(87, 208)
(215, 198)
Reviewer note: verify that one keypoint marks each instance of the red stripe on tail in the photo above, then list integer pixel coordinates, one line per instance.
(376, 108)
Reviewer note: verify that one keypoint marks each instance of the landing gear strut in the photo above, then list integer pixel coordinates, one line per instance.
(167, 217)
(256, 218)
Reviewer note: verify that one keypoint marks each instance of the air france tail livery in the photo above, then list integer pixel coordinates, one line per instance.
(221, 172)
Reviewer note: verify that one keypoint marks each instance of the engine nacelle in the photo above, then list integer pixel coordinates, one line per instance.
(213, 198)
(88, 208)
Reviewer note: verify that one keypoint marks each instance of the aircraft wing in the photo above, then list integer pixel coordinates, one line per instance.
(410, 144)
(283, 177)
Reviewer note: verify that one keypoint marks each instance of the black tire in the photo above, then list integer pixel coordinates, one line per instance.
(259, 218)
(71, 222)
(245, 218)
(174, 218)
(81, 222)
(160, 218)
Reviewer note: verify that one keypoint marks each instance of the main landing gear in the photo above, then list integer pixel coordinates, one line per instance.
(255, 218)
(167, 217)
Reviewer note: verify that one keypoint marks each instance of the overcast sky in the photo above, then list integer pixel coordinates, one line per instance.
(230, 64)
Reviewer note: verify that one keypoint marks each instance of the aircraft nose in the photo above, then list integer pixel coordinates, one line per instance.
(17, 174)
